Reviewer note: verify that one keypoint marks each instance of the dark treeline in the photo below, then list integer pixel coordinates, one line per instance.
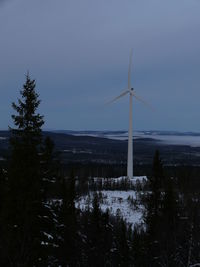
(172, 220)
(40, 224)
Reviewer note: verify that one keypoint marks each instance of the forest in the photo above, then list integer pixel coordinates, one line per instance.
(42, 225)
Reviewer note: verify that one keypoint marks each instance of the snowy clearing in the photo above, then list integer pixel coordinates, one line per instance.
(123, 203)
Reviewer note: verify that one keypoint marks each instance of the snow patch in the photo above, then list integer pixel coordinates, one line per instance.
(118, 202)
(3, 138)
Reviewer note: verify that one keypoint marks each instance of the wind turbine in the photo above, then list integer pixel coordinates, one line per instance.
(131, 91)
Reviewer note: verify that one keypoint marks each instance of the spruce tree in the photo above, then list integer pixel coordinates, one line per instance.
(68, 250)
(22, 214)
(153, 210)
(2, 200)
(122, 244)
(169, 222)
(95, 233)
(2, 189)
(49, 176)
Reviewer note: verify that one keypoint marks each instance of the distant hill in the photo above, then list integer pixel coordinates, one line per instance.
(111, 146)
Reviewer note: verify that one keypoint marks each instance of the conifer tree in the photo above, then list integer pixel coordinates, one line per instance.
(153, 209)
(48, 164)
(22, 214)
(2, 200)
(49, 179)
(95, 233)
(68, 250)
(169, 222)
(2, 189)
(122, 244)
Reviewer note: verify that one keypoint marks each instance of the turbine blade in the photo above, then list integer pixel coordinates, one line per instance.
(116, 98)
(144, 102)
(129, 69)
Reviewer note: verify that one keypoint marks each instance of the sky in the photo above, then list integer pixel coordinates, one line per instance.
(78, 52)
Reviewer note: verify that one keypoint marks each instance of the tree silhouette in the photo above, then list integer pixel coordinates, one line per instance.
(22, 213)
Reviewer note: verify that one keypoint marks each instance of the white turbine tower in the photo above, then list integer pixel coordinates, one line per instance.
(130, 90)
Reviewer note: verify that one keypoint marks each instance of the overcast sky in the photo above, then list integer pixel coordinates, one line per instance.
(78, 52)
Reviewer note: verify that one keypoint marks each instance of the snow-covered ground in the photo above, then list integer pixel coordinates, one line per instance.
(134, 180)
(74, 151)
(118, 202)
(125, 204)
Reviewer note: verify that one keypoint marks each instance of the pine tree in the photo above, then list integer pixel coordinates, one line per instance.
(168, 222)
(95, 234)
(2, 189)
(122, 244)
(22, 214)
(2, 200)
(49, 176)
(49, 168)
(153, 210)
(68, 249)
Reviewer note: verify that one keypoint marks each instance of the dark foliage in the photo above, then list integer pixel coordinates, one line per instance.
(21, 215)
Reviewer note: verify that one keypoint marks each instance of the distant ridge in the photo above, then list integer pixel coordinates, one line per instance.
(146, 132)
(110, 147)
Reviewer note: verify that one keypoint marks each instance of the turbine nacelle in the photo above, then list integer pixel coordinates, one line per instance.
(131, 91)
